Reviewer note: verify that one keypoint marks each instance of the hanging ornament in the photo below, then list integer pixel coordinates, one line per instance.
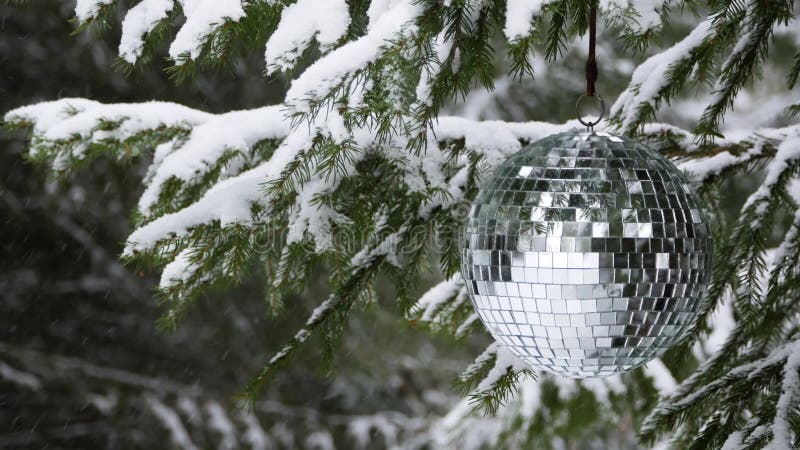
(586, 253)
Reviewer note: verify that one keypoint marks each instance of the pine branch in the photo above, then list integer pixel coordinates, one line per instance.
(751, 49)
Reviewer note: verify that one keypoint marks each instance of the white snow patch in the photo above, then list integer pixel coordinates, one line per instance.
(228, 202)
(67, 118)
(202, 16)
(236, 130)
(435, 297)
(88, 9)
(722, 324)
(519, 17)
(327, 21)
(105, 404)
(179, 270)
(140, 20)
(700, 169)
(505, 360)
(330, 70)
(45, 115)
(649, 12)
(360, 430)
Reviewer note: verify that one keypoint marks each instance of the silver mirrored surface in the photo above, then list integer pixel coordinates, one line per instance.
(586, 254)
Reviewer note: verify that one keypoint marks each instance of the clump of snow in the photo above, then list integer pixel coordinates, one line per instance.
(88, 9)
(308, 216)
(228, 202)
(519, 17)
(185, 160)
(105, 404)
(45, 115)
(179, 270)
(140, 20)
(330, 70)
(734, 441)
(700, 169)
(504, 361)
(301, 22)
(202, 16)
(69, 117)
(649, 13)
(496, 140)
(435, 297)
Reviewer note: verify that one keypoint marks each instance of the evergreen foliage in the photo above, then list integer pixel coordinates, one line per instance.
(359, 172)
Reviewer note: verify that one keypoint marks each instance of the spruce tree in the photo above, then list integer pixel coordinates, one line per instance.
(361, 172)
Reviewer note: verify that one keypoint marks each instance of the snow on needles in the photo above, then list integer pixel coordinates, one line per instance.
(69, 117)
(782, 436)
(651, 76)
(788, 151)
(441, 47)
(202, 16)
(464, 428)
(45, 115)
(233, 193)
(88, 9)
(228, 202)
(327, 21)
(140, 20)
(437, 296)
(236, 130)
(648, 12)
(519, 17)
(332, 69)
(179, 269)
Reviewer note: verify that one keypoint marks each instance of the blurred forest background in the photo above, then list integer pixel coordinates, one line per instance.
(82, 364)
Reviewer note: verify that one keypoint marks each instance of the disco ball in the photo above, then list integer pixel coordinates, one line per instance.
(586, 254)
